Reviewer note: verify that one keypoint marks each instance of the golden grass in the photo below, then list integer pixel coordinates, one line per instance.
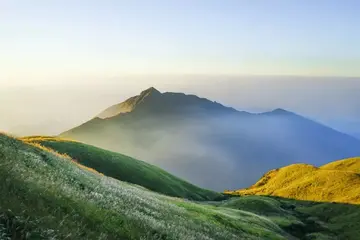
(350, 164)
(335, 182)
(46, 138)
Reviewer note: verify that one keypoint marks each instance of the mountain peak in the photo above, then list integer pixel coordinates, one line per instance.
(149, 91)
(130, 104)
(278, 111)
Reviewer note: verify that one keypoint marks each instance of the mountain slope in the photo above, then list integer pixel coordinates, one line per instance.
(197, 139)
(125, 168)
(129, 105)
(350, 165)
(303, 219)
(44, 195)
(338, 181)
(47, 195)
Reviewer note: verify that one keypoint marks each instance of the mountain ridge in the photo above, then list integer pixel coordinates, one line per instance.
(152, 96)
(196, 138)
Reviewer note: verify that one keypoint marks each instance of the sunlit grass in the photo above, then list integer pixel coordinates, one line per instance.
(338, 181)
(61, 155)
(46, 138)
(60, 200)
(125, 168)
(43, 195)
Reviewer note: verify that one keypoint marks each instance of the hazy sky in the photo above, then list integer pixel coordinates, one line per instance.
(63, 61)
(60, 41)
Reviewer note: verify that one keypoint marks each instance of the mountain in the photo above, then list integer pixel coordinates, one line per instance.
(211, 145)
(337, 181)
(124, 168)
(357, 135)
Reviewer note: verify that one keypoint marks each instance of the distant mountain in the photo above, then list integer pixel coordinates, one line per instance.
(338, 181)
(211, 145)
(357, 135)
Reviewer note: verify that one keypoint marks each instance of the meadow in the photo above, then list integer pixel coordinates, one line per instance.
(47, 195)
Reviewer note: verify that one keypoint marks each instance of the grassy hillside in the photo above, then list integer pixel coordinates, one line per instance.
(44, 195)
(338, 181)
(350, 165)
(125, 168)
(303, 219)
(47, 195)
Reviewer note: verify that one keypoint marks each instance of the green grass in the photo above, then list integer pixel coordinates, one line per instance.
(303, 219)
(125, 168)
(45, 195)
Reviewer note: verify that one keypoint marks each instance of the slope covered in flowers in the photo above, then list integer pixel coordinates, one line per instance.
(47, 196)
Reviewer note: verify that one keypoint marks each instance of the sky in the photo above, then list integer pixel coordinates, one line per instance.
(64, 61)
(60, 41)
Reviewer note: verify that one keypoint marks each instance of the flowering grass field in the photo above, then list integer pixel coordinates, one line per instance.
(45, 195)
(124, 168)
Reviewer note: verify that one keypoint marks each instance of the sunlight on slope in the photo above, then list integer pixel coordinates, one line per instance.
(46, 138)
(65, 201)
(350, 164)
(62, 155)
(334, 182)
(125, 168)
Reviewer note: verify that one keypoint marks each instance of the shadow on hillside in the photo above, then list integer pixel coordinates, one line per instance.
(304, 219)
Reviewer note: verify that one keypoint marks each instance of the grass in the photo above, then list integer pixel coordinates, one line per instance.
(47, 195)
(303, 219)
(338, 181)
(349, 165)
(124, 168)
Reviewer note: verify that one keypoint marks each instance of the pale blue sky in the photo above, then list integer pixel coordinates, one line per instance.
(60, 40)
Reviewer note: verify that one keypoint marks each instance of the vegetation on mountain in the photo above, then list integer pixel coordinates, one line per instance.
(124, 168)
(303, 219)
(349, 165)
(45, 194)
(338, 181)
(192, 137)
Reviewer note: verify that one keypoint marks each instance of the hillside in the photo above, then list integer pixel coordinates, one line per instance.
(45, 195)
(350, 165)
(196, 139)
(338, 181)
(125, 168)
(48, 195)
(303, 219)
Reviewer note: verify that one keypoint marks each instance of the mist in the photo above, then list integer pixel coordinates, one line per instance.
(223, 151)
(52, 108)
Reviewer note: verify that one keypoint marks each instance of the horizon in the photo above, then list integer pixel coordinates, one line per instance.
(68, 60)
(52, 109)
(188, 119)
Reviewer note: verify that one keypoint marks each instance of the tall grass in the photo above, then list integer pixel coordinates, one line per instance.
(69, 202)
(125, 168)
(335, 182)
